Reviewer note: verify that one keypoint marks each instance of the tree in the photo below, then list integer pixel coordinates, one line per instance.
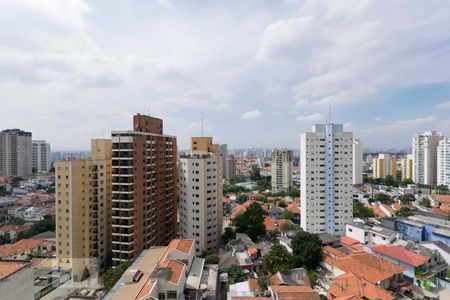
(47, 224)
(233, 189)
(406, 181)
(405, 212)
(228, 235)
(241, 198)
(383, 198)
(287, 214)
(389, 180)
(278, 259)
(426, 202)
(261, 198)
(255, 173)
(112, 275)
(212, 259)
(263, 282)
(295, 192)
(442, 189)
(264, 184)
(237, 178)
(306, 249)
(287, 226)
(407, 198)
(16, 221)
(235, 274)
(251, 221)
(282, 203)
(360, 211)
(312, 277)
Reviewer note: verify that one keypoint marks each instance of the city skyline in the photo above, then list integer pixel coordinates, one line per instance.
(268, 70)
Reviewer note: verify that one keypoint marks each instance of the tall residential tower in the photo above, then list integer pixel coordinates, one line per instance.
(326, 170)
(357, 162)
(424, 150)
(15, 153)
(443, 162)
(281, 169)
(41, 156)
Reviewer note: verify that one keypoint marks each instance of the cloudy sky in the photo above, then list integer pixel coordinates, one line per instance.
(261, 70)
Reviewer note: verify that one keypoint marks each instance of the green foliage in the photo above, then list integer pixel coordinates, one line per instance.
(228, 235)
(237, 178)
(279, 194)
(405, 212)
(426, 202)
(112, 275)
(405, 182)
(212, 259)
(261, 198)
(287, 226)
(47, 224)
(383, 198)
(255, 173)
(278, 259)
(235, 274)
(442, 189)
(264, 183)
(287, 214)
(16, 221)
(312, 277)
(15, 181)
(241, 198)
(3, 191)
(390, 180)
(263, 282)
(251, 221)
(295, 192)
(306, 248)
(5, 239)
(233, 189)
(407, 198)
(360, 211)
(282, 203)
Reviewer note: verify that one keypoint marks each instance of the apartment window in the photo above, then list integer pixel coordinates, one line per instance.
(171, 295)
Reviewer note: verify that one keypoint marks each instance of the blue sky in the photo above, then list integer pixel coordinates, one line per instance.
(262, 71)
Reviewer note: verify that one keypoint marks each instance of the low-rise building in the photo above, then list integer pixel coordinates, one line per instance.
(16, 280)
(12, 231)
(21, 250)
(280, 292)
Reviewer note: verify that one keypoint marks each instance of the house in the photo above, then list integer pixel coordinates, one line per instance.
(21, 250)
(350, 286)
(163, 273)
(298, 276)
(295, 210)
(16, 280)
(12, 231)
(380, 235)
(357, 231)
(270, 223)
(443, 249)
(275, 212)
(248, 288)
(439, 200)
(284, 292)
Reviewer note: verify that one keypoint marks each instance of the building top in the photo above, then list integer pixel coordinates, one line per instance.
(148, 124)
(285, 292)
(441, 198)
(16, 131)
(382, 231)
(351, 285)
(16, 228)
(400, 254)
(324, 127)
(19, 247)
(7, 268)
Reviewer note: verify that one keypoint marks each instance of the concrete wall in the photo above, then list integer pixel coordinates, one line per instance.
(18, 286)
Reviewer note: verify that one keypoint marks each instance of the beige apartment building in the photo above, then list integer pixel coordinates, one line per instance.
(406, 165)
(83, 211)
(384, 165)
(282, 170)
(200, 194)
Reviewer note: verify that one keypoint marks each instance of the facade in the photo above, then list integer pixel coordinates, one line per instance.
(384, 165)
(326, 169)
(144, 173)
(357, 162)
(41, 156)
(15, 153)
(407, 167)
(282, 170)
(443, 162)
(424, 150)
(17, 280)
(224, 155)
(200, 195)
(83, 211)
(230, 170)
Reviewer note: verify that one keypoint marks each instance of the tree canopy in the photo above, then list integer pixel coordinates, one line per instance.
(306, 248)
(241, 198)
(255, 173)
(360, 211)
(112, 275)
(251, 221)
(407, 198)
(278, 259)
(405, 212)
(235, 274)
(383, 198)
(228, 235)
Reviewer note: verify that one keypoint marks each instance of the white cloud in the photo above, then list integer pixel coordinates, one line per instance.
(443, 105)
(399, 126)
(251, 115)
(378, 119)
(311, 118)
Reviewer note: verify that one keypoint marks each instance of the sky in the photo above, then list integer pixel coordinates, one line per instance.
(262, 71)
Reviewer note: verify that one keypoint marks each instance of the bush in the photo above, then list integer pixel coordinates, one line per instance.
(212, 259)
(112, 275)
(306, 249)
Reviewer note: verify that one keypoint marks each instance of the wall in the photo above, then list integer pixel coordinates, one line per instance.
(19, 285)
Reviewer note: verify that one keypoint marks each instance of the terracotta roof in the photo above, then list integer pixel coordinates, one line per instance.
(348, 241)
(252, 250)
(16, 228)
(253, 284)
(19, 247)
(284, 292)
(367, 266)
(378, 212)
(246, 298)
(240, 208)
(441, 198)
(349, 285)
(176, 267)
(7, 268)
(146, 289)
(401, 254)
(387, 207)
(334, 252)
(270, 223)
(293, 208)
(396, 206)
(284, 221)
(184, 246)
(275, 280)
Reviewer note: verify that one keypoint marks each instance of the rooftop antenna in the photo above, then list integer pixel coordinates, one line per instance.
(202, 125)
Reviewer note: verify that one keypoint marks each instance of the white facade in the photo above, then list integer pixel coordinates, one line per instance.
(424, 150)
(224, 155)
(358, 232)
(281, 169)
(41, 156)
(443, 162)
(326, 169)
(357, 162)
(200, 193)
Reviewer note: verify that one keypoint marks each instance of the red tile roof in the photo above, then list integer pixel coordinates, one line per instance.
(7, 268)
(19, 247)
(293, 208)
(300, 292)
(176, 267)
(270, 223)
(441, 198)
(240, 208)
(349, 285)
(16, 228)
(401, 254)
(348, 241)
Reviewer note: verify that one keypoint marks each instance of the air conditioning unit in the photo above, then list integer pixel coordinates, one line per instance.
(132, 276)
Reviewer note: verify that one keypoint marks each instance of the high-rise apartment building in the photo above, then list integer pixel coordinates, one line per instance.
(282, 170)
(200, 194)
(326, 177)
(357, 162)
(144, 193)
(406, 166)
(384, 165)
(443, 162)
(224, 155)
(424, 150)
(15, 153)
(83, 211)
(41, 156)
(230, 170)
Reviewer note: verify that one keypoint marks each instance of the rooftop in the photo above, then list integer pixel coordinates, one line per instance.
(294, 292)
(351, 285)
(401, 254)
(7, 268)
(19, 247)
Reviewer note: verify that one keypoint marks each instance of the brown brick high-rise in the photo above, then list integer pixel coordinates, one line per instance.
(144, 188)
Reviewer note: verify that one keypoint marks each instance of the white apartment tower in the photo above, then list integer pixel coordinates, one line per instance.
(443, 162)
(424, 150)
(326, 170)
(41, 156)
(15, 153)
(281, 169)
(200, 194)
(357, 162)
